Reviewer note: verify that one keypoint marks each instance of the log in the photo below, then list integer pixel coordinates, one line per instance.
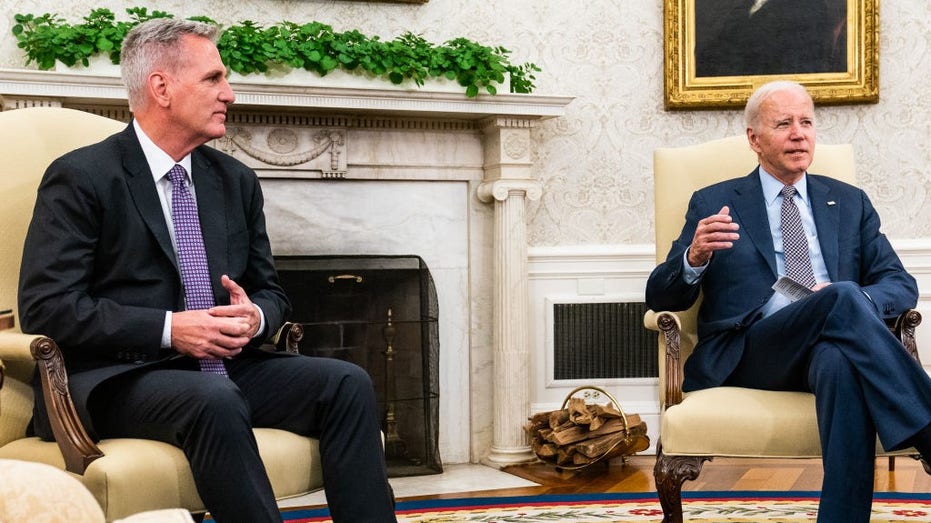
(558, 418)
(579, 434)
(595, 447)
(578, 412)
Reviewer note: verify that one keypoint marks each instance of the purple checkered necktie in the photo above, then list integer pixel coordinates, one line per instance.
(794, 244)
(192, 257)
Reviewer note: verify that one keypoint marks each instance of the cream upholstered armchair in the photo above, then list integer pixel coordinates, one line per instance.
(725, 421)
(125, 476)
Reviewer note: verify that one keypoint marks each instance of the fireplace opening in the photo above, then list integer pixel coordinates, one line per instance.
(379, 312)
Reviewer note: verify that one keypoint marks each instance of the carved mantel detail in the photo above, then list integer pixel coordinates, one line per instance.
(284, 147)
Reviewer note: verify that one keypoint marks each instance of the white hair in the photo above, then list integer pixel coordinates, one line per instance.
(152, 44)
(752, 110)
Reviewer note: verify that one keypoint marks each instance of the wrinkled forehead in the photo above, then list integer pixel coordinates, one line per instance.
(787, 104)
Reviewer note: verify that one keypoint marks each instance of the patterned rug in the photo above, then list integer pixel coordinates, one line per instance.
(698, 507)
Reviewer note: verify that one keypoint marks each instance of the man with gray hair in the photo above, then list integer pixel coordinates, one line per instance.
(148, 261)
(740, 237)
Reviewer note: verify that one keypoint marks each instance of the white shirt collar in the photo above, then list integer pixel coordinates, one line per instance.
(159, 161)
(772, 187)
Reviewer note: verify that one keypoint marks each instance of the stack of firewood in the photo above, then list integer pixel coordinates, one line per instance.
(580, 434)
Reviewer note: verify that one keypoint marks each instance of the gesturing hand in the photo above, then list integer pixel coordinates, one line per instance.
(713, 233)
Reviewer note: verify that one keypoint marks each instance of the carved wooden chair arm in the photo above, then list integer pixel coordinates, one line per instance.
(903, 326)
(77, 448)
(669, 326)
(288, 337)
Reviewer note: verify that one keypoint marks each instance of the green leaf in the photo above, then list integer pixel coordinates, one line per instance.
(104, 45)
(248, 47)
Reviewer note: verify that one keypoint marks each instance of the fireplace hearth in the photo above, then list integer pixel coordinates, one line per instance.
(379, 312)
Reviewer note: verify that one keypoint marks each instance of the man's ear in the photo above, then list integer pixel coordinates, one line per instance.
(753, 139)
(157, 85)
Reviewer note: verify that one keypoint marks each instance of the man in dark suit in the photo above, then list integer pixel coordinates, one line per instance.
(107, 273)
(834, 342)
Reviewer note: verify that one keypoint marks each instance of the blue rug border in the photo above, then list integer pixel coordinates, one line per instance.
(445, 503)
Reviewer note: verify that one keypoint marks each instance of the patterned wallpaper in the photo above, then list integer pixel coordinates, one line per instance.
(595, 163)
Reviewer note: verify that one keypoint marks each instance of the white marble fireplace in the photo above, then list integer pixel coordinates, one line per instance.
(353, 171)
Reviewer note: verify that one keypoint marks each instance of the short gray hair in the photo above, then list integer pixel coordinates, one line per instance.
(752, 110)
(152, 44)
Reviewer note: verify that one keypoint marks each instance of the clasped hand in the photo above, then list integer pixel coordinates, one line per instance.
(217, 332)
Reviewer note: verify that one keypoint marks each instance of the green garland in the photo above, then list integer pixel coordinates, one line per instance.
(247, 47)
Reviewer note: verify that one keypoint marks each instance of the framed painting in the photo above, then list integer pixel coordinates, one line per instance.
(716, 52)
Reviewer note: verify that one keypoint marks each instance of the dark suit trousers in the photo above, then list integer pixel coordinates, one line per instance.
(210, 418)
(835, 344)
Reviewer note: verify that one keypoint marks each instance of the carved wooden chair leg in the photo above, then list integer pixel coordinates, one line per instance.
(670, 473)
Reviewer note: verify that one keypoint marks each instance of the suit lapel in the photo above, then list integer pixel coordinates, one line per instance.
(750, 212)
(208, 186)
(144, 193)
(826, 213)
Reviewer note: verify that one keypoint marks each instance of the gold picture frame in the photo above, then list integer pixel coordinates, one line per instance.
(730, 73)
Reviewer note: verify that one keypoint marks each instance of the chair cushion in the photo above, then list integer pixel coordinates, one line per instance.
(131, 466)
(292, 462)
(738, 422)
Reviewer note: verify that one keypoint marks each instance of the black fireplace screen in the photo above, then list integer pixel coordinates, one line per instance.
(379, 312)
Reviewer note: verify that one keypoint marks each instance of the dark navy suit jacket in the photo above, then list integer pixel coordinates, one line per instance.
(738, 281)
(99, 270)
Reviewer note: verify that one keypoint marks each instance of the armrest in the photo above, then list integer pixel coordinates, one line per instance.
(670, 326)
(14, 346)
(289, 337)
(903, 326)
(77, 448)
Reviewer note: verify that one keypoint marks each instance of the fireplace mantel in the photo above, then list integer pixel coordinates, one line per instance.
(403, 137)
(20, 87)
